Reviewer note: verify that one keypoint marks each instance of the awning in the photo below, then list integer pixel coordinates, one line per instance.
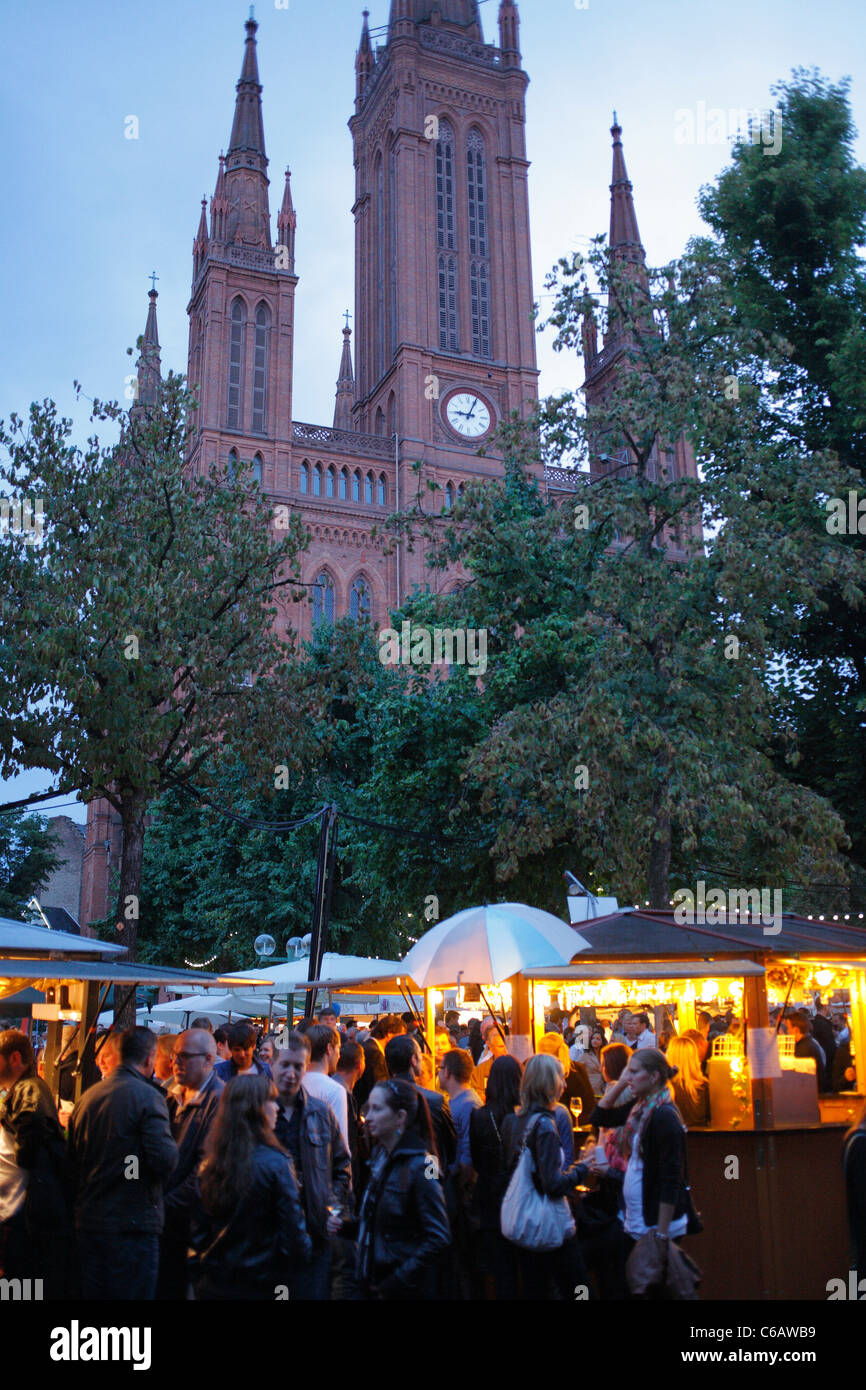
(26, 939)
(113, 972)
(648, 970)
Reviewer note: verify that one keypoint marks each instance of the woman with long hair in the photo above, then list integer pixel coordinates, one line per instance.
(854, 1168)
(591, 1059)
(655, 1197)
(404, 1227)
(542, 1086)
(488, 1160)
(251, 1234)
(691, 1089)
(577, 1083)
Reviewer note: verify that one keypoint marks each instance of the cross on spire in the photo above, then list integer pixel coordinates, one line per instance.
(348, 316)
(153, 279)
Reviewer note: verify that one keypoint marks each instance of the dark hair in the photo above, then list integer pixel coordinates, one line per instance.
(204, 1023)
(322, 1036)
(329, 1011)
(409, 1020)
(503, 1087)
(399, 1052)
(458, 1064)
(238, 1128)
(392, 1026)
(13, 1041)
(221, 1035)
(642, 1018)
(137, 1046)
(704, 1017)
(656, 1063)
(304, 1025)
(401, 1095)
(614, 1060)
(350, 1023)
(296, 1042)
(349, 1054)
(242, 1035)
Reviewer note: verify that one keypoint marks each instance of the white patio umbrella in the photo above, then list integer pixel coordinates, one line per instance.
(210, 1005)
(334, 967)
(486, 945)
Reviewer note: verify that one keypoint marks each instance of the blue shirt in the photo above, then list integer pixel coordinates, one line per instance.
(462, 1106)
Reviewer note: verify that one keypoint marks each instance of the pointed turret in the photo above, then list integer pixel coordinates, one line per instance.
(364, 60)
(199, 246)
(149, 364)
(345, 385)
(625, 242)
(287, 223)
(219, 204)
(462, 14)
(509, 34)
(248, 219)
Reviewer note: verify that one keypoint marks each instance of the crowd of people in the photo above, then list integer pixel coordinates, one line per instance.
(347, 1163)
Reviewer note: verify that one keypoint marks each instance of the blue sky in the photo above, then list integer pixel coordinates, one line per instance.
(89, 214)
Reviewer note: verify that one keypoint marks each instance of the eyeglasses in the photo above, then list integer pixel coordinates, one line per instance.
(188, 1056)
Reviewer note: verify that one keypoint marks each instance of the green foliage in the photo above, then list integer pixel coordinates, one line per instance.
(27, 857)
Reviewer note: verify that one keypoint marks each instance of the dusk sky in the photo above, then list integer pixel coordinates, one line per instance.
(89, 213)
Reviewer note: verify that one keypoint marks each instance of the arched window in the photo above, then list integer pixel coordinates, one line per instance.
(344, 484)
(381, 491)
(446, 238)
(392, 253)
(356, 485)
(323, 599)
(368, 489)
(460, 490)
(479, 246)
(261, 361)
(331, 481)
(380, 422)
(449, 496)
(258, 469)
(317, 480)
(392, 414)
(235, 417)
(305, 476)
(381, 238)
(360, 601)
(233, 465)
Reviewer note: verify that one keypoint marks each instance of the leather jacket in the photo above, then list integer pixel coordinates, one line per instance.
(122, 1119)
(546, 1149)
(326, 1164)
(260, 1245)
(404, 1223)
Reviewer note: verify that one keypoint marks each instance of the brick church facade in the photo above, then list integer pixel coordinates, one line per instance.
(444, 338)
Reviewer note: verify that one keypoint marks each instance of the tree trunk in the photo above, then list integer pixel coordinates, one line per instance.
(133, 813)
(660, 851)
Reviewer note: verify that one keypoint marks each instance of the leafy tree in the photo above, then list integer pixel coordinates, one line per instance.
(143, 625)
(27, 857)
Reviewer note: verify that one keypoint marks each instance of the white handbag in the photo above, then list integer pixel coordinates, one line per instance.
(529, 1218)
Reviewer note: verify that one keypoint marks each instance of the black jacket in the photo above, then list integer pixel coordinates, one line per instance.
(663, 1150)
(264, 1240)
(29, 1116)
(444, 1133)
(326, 1175)
(854, 1167)
(121, 1154)
(488, 1160)
(404, 1224)
(375, 1070)
(190, 1127)
(579, 1087)
(544, 1145)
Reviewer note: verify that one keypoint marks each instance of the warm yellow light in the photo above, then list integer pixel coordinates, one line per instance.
(736, 989)
(824, 978)
(436, 997)
(710, 989)
(689, 995)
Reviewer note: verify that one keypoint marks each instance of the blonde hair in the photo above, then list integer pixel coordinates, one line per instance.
(683, 1054)
(553, 1045)
(540, 1085)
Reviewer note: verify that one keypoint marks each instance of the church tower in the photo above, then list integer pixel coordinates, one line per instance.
(445, 340)
(241, 309)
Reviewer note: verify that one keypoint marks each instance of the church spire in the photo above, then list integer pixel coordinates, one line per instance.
(345, 385)
(624, 234)
(246, 180)
(364, 60)
(199, 246)
(287, 223)
(149, 364)
(509, 33)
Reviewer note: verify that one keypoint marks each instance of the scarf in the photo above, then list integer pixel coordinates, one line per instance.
(632, 1130)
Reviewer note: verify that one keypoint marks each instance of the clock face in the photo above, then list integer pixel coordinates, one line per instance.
(468, 415)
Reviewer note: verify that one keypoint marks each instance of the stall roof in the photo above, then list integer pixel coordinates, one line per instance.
(27, 939)
(639, 933)
(647, 970)
(116, 972)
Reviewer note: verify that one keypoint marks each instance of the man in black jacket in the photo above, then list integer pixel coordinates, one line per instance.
(307, 1128)
(193, 1101)
(375, 1067)
(403, 1060)
(121, 1154)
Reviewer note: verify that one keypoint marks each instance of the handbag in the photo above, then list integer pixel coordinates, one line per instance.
(662, 1268)
(694, 1224)
(530, 1219)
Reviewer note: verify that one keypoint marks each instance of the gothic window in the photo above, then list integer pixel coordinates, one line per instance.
(356, 485)
(460, 490)
(446, 238)
(479, 246)
(258, 469)
(381, 491)
(368, 489)
(323, 599)
(235, 420)
(233, 465)
(317, 480)
(360, 601)
(392, 251)
(392, 414)
(449, 497)
(331, 482)
(305, 476)
(380, 265)
(344, 484)
(380, 421)
(260, 369)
